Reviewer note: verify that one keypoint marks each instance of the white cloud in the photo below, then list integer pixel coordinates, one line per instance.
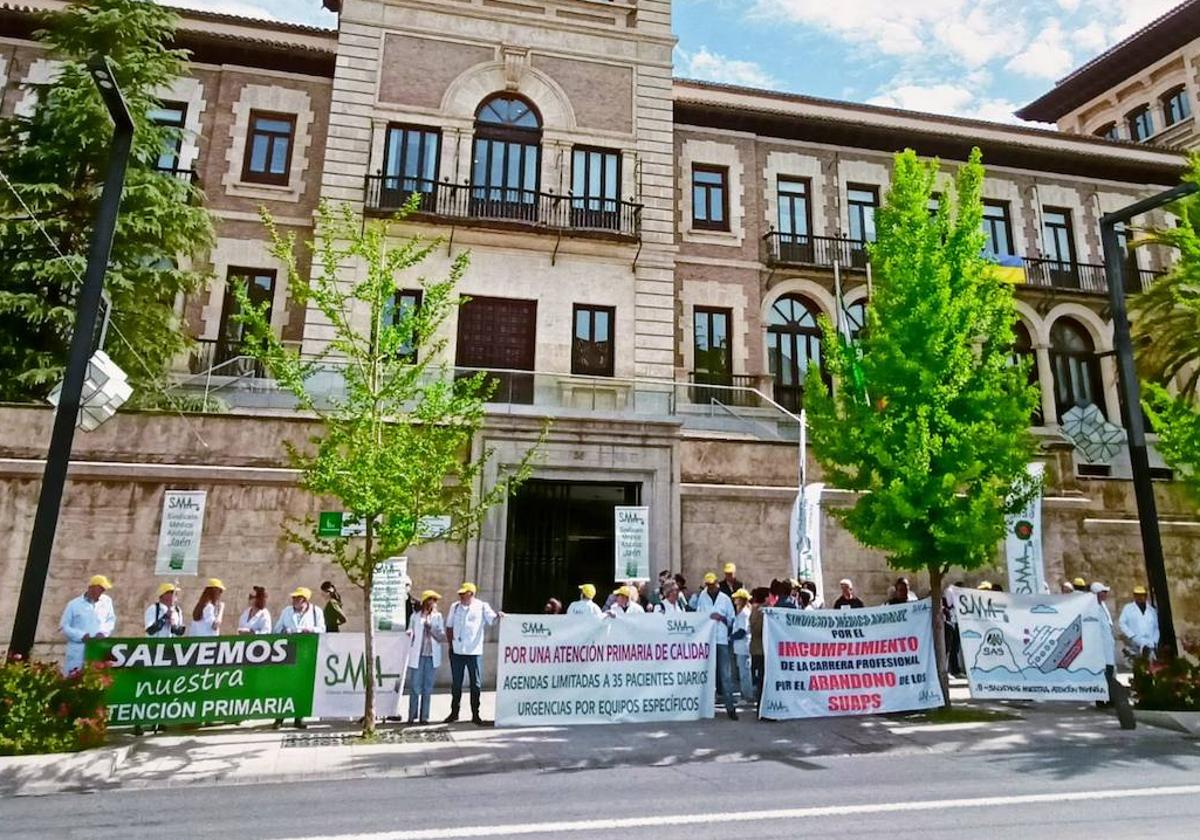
(295, 11)
(1046, 57)
(714, 67)
(946, 98)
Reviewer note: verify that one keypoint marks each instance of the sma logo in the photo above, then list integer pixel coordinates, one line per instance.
(534, 628)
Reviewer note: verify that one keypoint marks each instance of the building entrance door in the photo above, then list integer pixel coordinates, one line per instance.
(560, 535)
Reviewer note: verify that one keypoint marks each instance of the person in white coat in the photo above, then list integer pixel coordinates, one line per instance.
(1107, 641)
(672, 601)
(1139, 626)
(740, 641)
(209, 610)
(586, 605)
(256, 618)
(300, 617)
(465, 624)
(90, 616)
(426, 632)
(163, 618)
(624, 604)
(716, 604)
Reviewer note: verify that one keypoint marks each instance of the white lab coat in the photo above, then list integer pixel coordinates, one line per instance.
(258, 624)
(585, 606)
(1140, 628)
(741, 647)
(1106, 634)
(468, 623)
(667, 608)
(210, 621)
(156, 611)
(416, 632)
(85, 618)
(707, 605)
(615, 611)
(312, 620)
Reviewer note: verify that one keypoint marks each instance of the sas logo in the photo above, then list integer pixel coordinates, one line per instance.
(534, 628)
(675, 627)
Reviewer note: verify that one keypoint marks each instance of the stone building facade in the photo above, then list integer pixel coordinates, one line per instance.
(648, 257)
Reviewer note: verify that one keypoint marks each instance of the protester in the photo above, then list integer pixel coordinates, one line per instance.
(300, 617)
(164, 618)
(256, 618)
(805, 599)
(740, 642)
(1101, 591)
(426, 632)
(1139, 626)
(623, 603)
(847, 600)
(984, 586)
(552, 607)
(89, 616)
(586, 605)
(758, 601)
(900, 593)
(781, 592)
(209, 610)
(648, 596)
(335, 616)
(671, 601)
(464, 629)
(818, 603)
(730, 583)
(1079, 585)
(953, 642)
(716, 604)
(1066, 587)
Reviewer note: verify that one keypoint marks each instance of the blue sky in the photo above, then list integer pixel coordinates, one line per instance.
(976, 58)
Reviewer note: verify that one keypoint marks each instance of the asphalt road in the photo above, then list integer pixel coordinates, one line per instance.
(1145, 790)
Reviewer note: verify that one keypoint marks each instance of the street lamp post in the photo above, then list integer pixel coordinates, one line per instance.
(87, 305)
(1143, 488)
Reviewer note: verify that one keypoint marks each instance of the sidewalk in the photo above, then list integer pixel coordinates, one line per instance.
(255, 754)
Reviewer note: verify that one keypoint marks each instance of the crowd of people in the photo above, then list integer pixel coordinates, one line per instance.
(740, 658)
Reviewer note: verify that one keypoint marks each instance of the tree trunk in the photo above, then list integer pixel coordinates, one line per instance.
(939, 632)
(368, 637)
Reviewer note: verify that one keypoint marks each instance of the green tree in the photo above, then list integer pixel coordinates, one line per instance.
(1165, 320)
(929, 422)
(395, 442)
(55, 160)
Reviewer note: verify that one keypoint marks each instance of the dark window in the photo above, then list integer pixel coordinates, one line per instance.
(1133, 271)
(592, 343)
(1058, 242)
(410, 165)
(710, 197)
(863, 201)
(499, 334)
(595, 188)
(794, 214)
(712, 343)
(856, 318)
(269, 148)
(1108, 132)
(1076, 367)
(793, 346)
(997, 227)
(1023, 349)
(1141, 124)
(1176, 106)
(507, 159)
(260, 289)
(399, 313)
(170, 115)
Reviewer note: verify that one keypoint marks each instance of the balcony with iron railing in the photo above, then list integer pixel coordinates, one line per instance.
(1086, 278)
(188, 175)
(818, 251)
(515, 209)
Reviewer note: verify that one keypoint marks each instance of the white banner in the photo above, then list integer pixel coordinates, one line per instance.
(632, 543)
(179, 534)
(575, 669)
(339, 687)
(1023, 543)
(1032, 647)
(389, 594)
(823, 663)
(805, 537)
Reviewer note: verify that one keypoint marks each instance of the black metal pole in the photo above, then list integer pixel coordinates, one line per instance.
(37, 564)
(1139, 458)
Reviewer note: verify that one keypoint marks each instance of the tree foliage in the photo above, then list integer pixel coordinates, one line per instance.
(395, 441)
(55, 159)
(930, 419)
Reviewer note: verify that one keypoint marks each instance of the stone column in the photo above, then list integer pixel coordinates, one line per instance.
(1046, 386)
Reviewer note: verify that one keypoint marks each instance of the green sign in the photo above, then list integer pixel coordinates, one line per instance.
(334, 523)
(170, 681)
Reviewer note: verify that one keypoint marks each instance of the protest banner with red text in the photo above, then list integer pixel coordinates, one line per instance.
(822, 663)
(575, 669)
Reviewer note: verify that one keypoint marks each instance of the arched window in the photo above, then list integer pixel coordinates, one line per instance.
(856, 318)
(1022, 350)
(1076, 367)
(507, 159)
(793, 345)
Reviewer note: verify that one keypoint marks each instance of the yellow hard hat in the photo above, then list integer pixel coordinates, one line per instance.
(429, 593)
(215, 583)
(587, 590)
(985, 585)
(467, 587)
(743, 594)
(101, 581)
(302, 592)
(1079, 583)
(730, 568)
(1139, 590)
(627, 591)
(710, 577)
(164, 588)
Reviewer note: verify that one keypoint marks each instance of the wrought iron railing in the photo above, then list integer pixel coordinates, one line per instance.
(188, 175)
(727, 388)
(824, 251)
(500, 206)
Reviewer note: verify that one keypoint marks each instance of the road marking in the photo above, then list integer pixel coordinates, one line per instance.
(743, 817)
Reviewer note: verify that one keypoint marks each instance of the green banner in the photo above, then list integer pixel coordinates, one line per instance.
(207, 680)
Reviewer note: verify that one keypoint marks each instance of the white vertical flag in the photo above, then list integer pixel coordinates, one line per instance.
(1023, 543)
(805, 536)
